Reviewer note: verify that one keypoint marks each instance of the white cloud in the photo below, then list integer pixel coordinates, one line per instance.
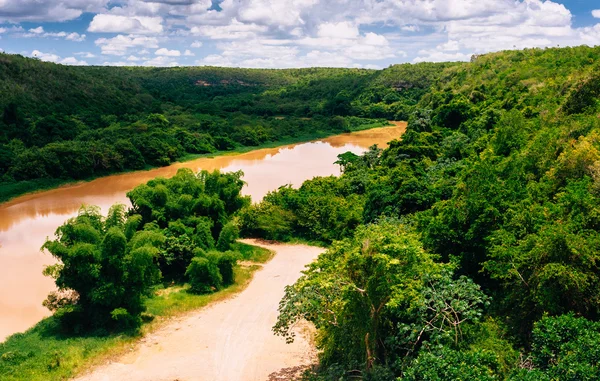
(233, 31)
(439, 56)
(133, 59)
(188, 53)
(167, 52)
(51, 57)
(343, 29)
(118, 63)
(45, 56)
(85, 54)
(47, 10)
(410, 28)
(72, 61)
(40, 33)
(288, 33)
(119, 45)
(282, 12)
(161, 61)
(75, 37)
(108, 23)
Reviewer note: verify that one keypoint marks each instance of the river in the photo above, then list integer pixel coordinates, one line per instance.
(27, 221)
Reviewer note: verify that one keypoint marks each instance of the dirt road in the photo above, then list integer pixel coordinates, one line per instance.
(228, 341)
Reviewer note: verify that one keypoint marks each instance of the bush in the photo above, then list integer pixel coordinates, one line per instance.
(228, 236)
(204, 275)
(226, 262)
(104, 270)
(452, 365)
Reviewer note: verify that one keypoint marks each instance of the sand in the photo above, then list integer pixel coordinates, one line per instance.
(230, 340)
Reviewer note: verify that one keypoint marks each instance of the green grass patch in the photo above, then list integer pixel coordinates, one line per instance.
(44, 353)
(253, 253)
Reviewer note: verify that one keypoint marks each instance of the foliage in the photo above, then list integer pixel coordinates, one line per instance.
(72, 123)
(321, 210)
(108, 268)
(46, 353)
(564, 348)
(204, 275)
(498, 174)
(227, 237)
(373, 287)
(193, 212)
(448, 364)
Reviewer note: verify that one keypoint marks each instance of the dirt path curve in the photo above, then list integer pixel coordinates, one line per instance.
(228, 341)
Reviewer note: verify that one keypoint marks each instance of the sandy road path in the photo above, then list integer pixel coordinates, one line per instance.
(228, 341)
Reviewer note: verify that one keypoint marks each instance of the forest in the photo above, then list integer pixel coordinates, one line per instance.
(468, 249)
(63, 123)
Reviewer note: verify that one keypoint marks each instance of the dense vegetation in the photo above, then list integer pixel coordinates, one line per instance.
(61, 123)
(48, 352)
(180, 234)
(178, 230)
(469, 249)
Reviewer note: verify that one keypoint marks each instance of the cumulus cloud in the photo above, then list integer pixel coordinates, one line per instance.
(51, 57)
(120, 44)
(85, 54)
(188, 53)
(108, 23)
(38, 30)
(287, 33)
(343, 29)
(161, 61)
(40, 33)
(47, 10)
(235, 30)
(167, 52)
(75, 37)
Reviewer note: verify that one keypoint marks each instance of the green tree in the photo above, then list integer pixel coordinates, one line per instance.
(106, 274)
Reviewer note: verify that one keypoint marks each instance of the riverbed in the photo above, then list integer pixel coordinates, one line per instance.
(27, 221)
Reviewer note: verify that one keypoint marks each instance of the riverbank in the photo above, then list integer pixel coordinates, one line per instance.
(10, 191)
(43, 353)
(26, 221)
(231, 340)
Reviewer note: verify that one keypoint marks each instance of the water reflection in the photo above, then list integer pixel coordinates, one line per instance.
(27, 221)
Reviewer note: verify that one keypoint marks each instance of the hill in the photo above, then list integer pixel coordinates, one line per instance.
(63, 123)
(471, 245)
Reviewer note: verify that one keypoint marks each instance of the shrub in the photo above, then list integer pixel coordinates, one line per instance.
(228, 236)
(226, 262)
(204, 275)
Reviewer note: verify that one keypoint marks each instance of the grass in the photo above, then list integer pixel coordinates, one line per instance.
(43, 353)
(12, 190)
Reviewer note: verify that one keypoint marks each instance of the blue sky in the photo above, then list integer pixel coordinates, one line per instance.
(287, 33)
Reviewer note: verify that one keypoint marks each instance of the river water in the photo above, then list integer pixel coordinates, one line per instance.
(27, 221)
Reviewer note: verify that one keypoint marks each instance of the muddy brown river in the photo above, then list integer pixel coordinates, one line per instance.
(27, 221)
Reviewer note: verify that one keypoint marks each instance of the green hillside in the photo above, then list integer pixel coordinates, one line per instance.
(470, 248)
(466, 250)
(63, 123)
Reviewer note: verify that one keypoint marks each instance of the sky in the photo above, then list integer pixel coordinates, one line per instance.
(288, 33)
